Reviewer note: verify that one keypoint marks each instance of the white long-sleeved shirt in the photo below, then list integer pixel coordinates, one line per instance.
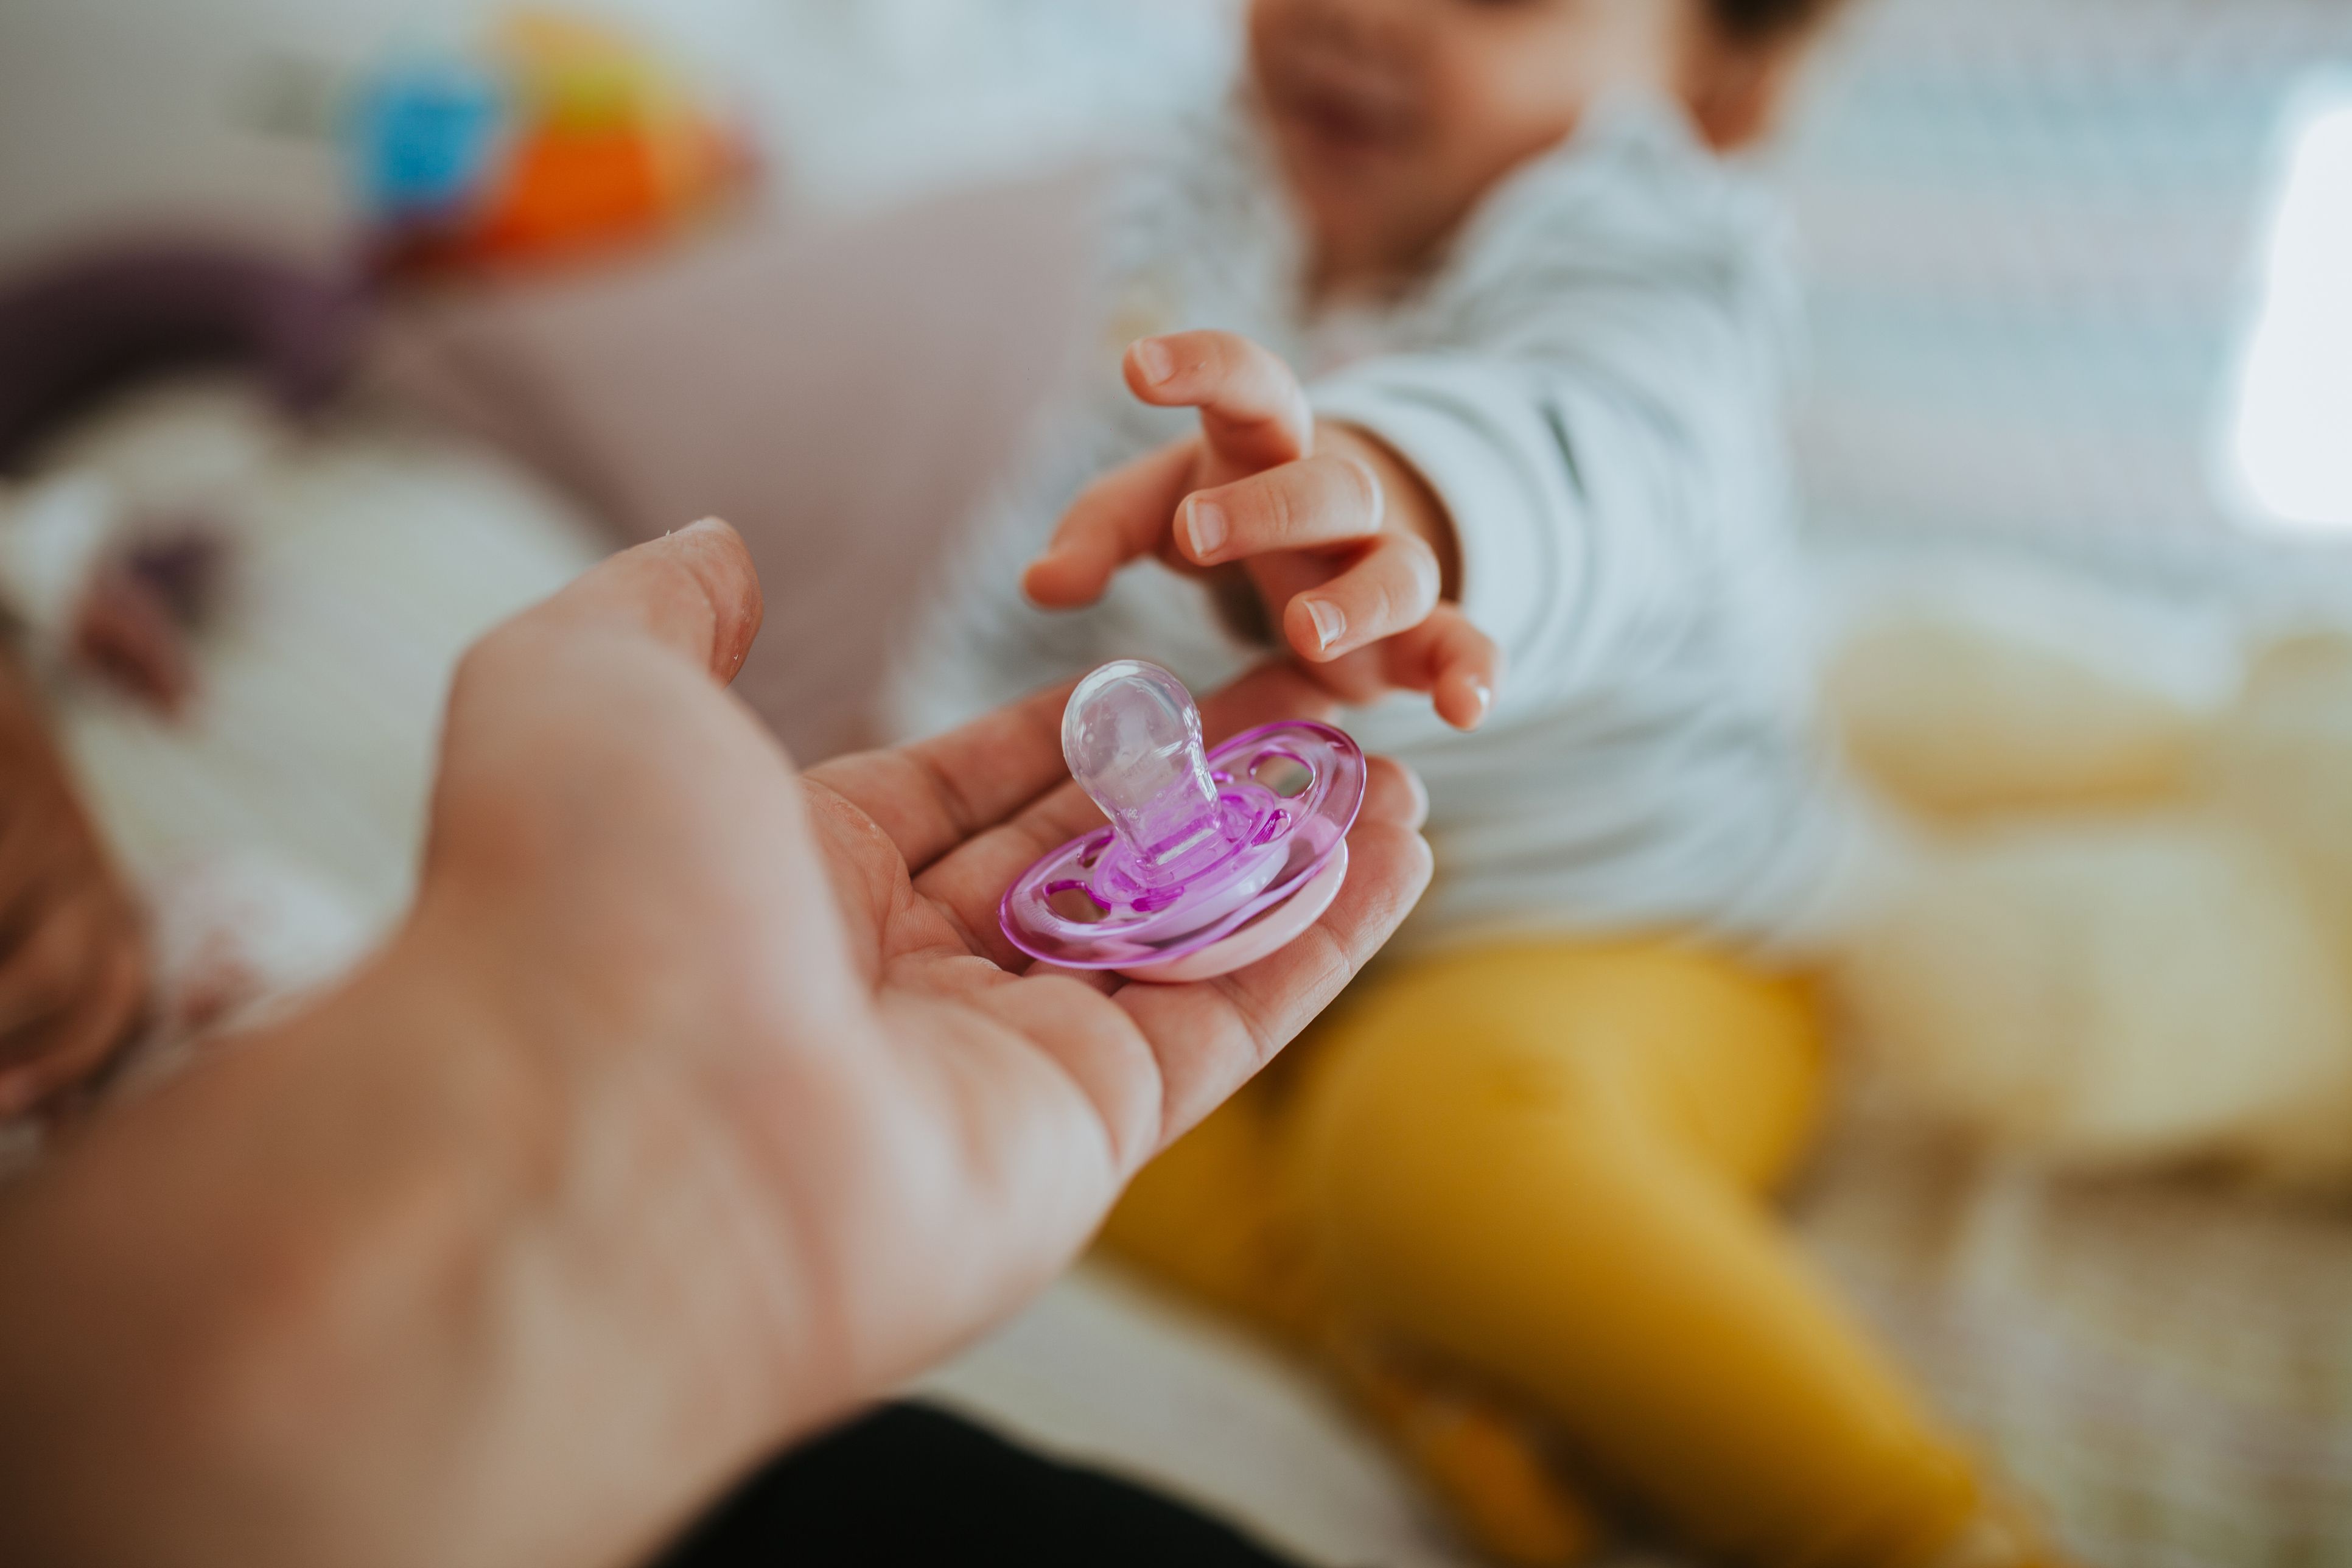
(1591, 383)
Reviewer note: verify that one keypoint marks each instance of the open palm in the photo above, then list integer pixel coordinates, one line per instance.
(697, 1100)
(855, 1021)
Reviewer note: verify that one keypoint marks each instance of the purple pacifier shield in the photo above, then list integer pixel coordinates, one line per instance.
(1198, 847)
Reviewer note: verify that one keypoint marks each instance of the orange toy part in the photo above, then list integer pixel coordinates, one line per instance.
(567, 186)
(611, 146)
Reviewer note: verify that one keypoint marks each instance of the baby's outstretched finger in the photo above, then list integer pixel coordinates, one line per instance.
(1459, 664)
(1391, 589)
(1253, 413)
(1118, 519)
(1311, 504)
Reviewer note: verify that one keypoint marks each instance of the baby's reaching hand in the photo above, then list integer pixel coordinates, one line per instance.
(1349, 551)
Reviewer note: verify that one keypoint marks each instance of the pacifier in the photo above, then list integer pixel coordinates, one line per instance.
(1211, 861)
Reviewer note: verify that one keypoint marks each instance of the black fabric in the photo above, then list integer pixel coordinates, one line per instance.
(911, 1487)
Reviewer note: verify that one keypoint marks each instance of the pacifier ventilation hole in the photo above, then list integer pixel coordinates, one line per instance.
(1072, 901)
(1283, 774)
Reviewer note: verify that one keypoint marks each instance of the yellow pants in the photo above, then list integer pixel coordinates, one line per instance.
(1546, 1166)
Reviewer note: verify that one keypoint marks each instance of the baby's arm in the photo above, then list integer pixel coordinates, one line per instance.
(1604, 425)
(1351, 552)
(73, 961)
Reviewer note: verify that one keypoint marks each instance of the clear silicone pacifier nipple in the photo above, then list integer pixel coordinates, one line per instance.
(1133, 738)
(1211, 862)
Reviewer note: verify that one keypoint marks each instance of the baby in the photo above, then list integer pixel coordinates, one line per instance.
(1486, 346)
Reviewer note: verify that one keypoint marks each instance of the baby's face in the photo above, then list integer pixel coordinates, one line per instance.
(1392, 117)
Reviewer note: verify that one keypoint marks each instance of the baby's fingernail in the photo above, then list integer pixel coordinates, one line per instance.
(1328, 622)
(1485, 695)
(1038, 571)
(1205, 521)
(1152, 356)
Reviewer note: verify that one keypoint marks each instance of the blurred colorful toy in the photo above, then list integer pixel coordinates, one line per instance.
(561, 136)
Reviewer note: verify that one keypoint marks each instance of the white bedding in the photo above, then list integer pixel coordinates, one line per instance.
(1103, 1370)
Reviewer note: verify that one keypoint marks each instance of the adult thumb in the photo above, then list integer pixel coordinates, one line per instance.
(694, 591)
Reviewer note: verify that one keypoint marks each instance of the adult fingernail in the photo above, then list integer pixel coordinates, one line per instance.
(1205, 521)
(1152, 356)
(1328, 622)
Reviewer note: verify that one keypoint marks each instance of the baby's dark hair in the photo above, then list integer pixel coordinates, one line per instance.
(1768, 21)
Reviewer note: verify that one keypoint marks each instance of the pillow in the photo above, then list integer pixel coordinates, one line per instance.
(842, 391)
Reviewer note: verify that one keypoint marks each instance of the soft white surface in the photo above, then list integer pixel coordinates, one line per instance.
(1103, 1371)
(359, 566)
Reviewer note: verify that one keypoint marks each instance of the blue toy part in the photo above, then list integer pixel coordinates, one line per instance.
(427, 136)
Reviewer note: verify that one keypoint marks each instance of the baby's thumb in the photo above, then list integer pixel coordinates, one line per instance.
(695, 591)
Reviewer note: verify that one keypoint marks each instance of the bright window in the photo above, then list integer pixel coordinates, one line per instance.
(2291, 439)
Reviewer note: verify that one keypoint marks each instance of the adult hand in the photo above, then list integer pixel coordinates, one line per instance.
(696, 1101)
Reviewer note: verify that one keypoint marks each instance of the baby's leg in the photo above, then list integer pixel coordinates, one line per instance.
(1545, 1163)
(1216, 1218)
(1210, 1218)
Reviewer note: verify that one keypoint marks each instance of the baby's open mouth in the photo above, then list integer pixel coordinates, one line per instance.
(1344, 116)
